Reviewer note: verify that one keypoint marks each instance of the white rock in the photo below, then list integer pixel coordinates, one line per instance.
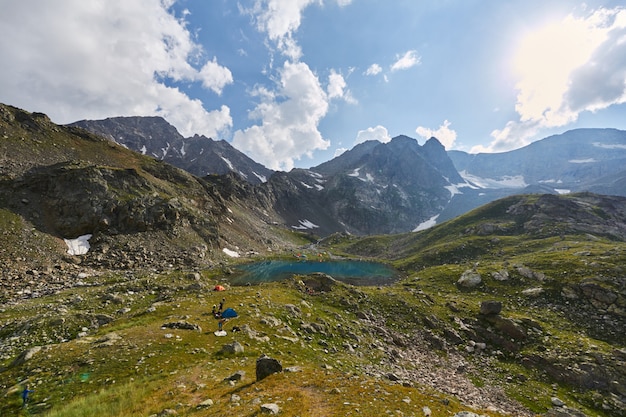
(270, 408)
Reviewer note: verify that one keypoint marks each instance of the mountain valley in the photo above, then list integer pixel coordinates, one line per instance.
(514, 305)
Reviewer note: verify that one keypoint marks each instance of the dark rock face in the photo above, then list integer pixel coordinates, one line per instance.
(374, 188)
(266, 366)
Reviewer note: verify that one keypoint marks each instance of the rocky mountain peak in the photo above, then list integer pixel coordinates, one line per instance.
(198, 154)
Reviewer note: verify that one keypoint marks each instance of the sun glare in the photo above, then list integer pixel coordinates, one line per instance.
(545, 59)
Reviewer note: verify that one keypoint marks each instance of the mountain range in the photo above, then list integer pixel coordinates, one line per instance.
(394, 187)
(110, 260)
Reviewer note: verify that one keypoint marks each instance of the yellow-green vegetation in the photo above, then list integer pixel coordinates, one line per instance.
(134, 366)
(536, 292)
(141, 342)
(106, 350)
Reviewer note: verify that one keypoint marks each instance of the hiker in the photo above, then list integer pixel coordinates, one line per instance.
(220, 323)
(25, 395)
(214, 311)
(221, 305)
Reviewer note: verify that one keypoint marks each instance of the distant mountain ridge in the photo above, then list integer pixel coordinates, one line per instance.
(578, 160)
(390, 187)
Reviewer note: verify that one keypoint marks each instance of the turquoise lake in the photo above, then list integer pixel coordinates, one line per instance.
(349, 271)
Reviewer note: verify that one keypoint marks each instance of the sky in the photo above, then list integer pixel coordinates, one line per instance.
(294, 83)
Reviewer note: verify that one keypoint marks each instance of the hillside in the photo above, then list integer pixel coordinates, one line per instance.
(60, 183)
(515, 308)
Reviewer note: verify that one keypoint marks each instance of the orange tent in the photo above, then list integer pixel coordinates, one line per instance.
(219, 288)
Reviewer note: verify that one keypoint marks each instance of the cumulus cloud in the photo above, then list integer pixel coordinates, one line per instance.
(337, 88)
(565, 68)
(374, 69)
(378, 133)
(444, 134)
(288, 115)
(289, 119)
(406, 61)
(74, 60)
(280, 19)
(214, 76)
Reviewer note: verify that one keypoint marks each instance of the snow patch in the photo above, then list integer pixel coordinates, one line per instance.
(427, 224)
(166, 150)
(78, 246)
(609, 145)
(506, 181)
(354, 173)
(231, 253)
(143, 150)
(306, 185)
(182, 150)
(230, 165)
(454, 189)
(305, 224)
(562, 191)
(263, 178)
(551, 182)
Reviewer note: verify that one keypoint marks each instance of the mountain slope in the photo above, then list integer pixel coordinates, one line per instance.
(393, 187)
(372, 189)
(62, 182)
(554, 263)
(198, 155)
(565, 161)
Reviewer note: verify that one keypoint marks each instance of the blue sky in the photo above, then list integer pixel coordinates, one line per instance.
(292, 83)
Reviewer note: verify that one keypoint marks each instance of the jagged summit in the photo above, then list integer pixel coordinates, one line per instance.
(198, 154)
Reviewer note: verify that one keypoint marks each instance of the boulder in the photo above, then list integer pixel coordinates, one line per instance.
(237, 376)
(234, 347)
(470, 279)
(205, 404)
(490, 307)
(270, 409)
(266, 366)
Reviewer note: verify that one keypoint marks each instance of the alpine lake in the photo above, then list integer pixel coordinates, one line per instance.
(354, 272)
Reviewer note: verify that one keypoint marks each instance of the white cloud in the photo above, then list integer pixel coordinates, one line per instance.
(289, 119)
(378, 133)
(337, 88)
(565, 68)
(374, 69)
(444, 134)
(406, 61)
(280, 19)
(215, 77)
(336, 85)
(74, 60)
(339, 151)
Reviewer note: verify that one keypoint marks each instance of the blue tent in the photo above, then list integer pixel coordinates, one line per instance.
(229, 313)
